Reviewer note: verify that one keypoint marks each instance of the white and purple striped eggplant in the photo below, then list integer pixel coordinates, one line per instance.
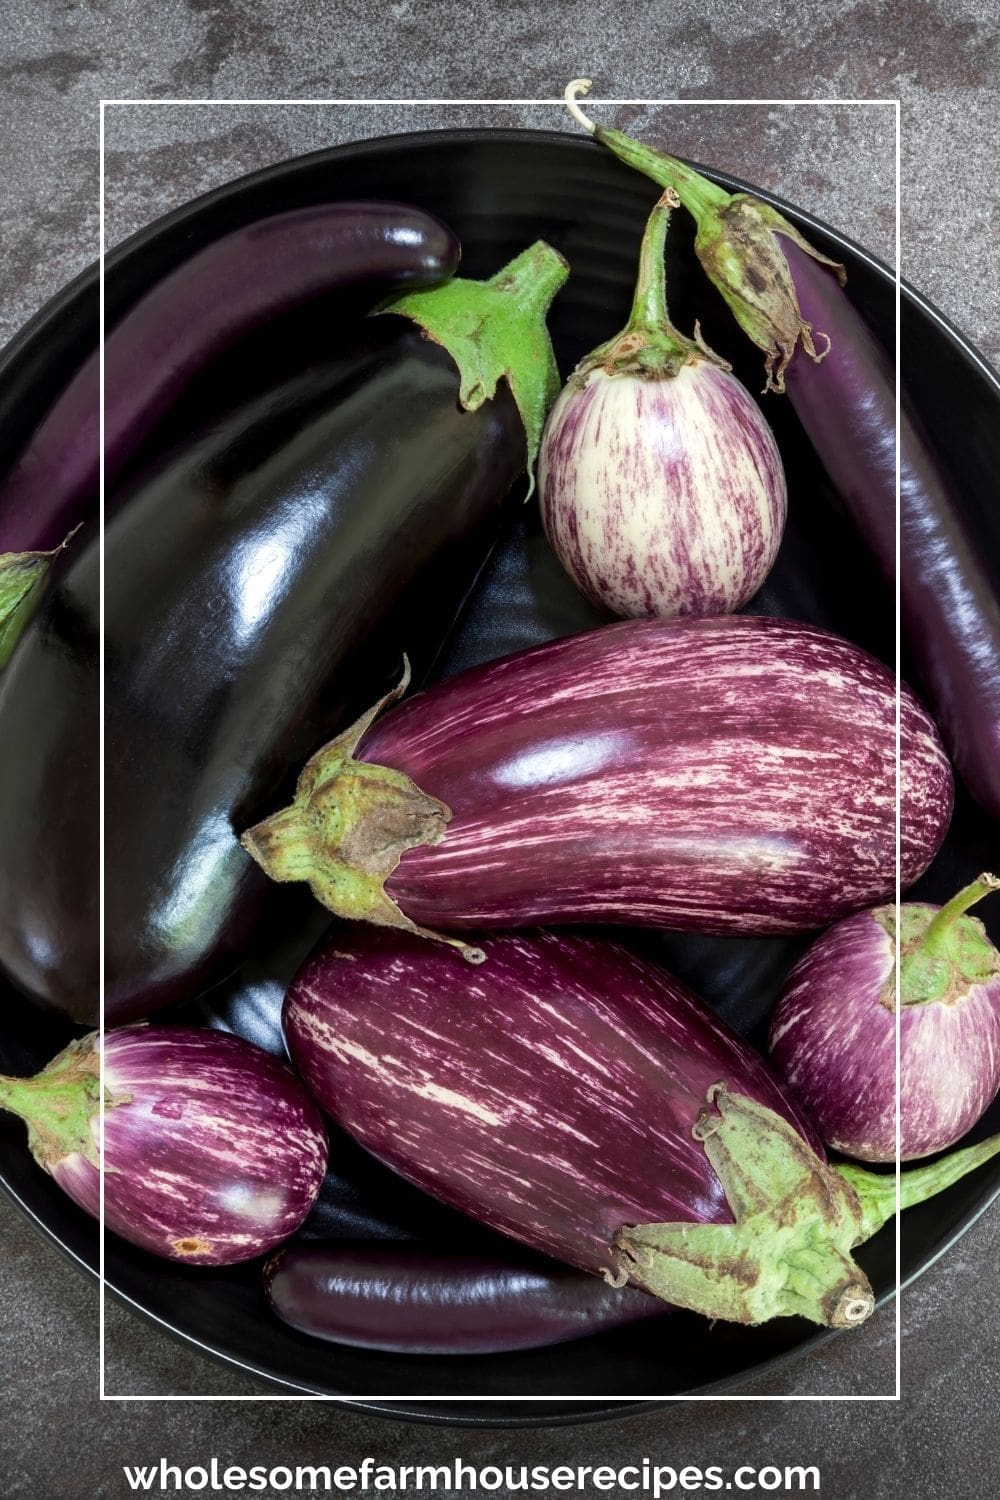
(833, 1033)
(214, 1152)
(726, 775)
(576, 1098)
(661, 486)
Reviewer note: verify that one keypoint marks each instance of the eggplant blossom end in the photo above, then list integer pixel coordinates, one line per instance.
(495, 330)
(787, 1251)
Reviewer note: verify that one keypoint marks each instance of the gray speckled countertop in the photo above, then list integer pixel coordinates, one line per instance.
(56, 60)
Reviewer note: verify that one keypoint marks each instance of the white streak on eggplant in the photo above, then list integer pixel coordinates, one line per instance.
(662, 497)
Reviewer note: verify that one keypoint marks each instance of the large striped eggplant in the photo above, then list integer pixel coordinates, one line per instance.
(728, 775)
(578, 1099)
(213, 1150)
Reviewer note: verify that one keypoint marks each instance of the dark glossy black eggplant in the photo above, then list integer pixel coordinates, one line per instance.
(253, 585)
(419, 1299)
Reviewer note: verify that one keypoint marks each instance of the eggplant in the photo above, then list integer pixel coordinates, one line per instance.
(734, 774)
(416, 1299)
(246, 278)
(833, 1032)
(580, 1100)
(252, 583)
(844, 393)
(661, 486)
(213, 1152)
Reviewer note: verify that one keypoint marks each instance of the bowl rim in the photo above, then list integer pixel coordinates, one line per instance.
(51, 313)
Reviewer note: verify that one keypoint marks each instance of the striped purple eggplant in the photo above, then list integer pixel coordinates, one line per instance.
(833, 1033)
(574, 1097)
(661, 486)
(420, 1299)
(726, 775)
(214, 1152)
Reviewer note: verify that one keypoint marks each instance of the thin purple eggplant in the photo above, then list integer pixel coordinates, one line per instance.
(790, 301)
(213, 1151)
(578, 1099)
(235, 284)
(726, 775)
(410, 1298)
(661, 486)
(833, 1032)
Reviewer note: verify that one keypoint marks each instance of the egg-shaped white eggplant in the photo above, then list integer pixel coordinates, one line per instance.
(661, 486)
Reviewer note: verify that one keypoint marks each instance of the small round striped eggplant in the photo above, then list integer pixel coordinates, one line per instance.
(576, 1098)
(417, 1299)
(661, 486)
(833, 1033)
(214, 1152)
(726, 775)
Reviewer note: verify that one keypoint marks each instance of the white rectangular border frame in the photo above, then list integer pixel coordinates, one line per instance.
(406, 1397)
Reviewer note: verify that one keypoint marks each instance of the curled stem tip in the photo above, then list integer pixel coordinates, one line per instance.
(576, 89)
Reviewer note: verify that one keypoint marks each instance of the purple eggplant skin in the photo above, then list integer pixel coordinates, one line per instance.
(833, 1034)
(242, 280)
(727, 775)
(950, 608)
(662, 497)
(214, 1152)
(252, 583)
(548, 1093)
(416, 1299)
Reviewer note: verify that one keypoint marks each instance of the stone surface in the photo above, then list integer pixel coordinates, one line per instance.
(56, 61)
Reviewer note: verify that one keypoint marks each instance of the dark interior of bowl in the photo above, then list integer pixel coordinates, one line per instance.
(501, 190)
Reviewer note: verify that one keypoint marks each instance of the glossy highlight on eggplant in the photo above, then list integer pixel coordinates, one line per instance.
(725, 775)
(411, 1298)
(252, 584)
(207, 302)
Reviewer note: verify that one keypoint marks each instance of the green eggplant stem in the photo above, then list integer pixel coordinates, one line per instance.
(347, 828)
(938, 933)
(59, 1104)
(736, 243)
(877, 1192)
(495, 330)
(941, 952)
(796, 1220)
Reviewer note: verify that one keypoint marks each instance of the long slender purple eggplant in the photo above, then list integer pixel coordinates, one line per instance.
(574, 1097)
(735, 774)
(252, 583)
(833, 1033)
(661, 486)
(416, 1299)
(213, 1150)
(844, 393)
(240, 281)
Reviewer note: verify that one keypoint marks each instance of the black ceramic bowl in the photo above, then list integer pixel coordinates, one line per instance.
(501, 190)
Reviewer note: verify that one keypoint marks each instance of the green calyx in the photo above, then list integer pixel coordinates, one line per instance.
(22, 581)
(737, 244)
(941, 952)
(796, 1221)
(59, 1104)
(347, 829)
(649, 347)
(495, 330)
